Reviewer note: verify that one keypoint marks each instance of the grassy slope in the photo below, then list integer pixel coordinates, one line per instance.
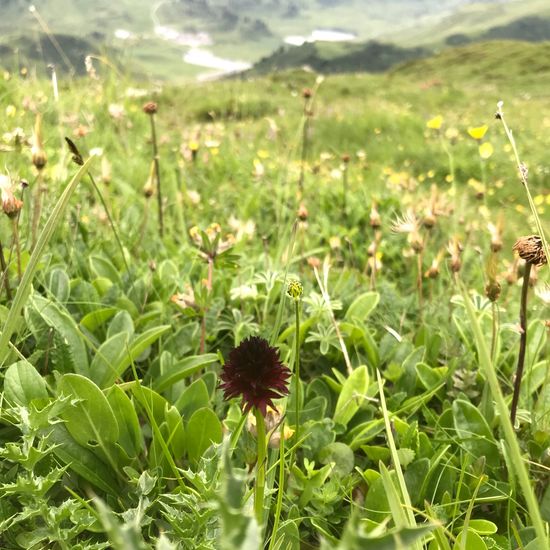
(470, 19)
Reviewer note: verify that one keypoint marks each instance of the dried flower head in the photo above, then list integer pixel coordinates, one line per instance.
(303, 213)
(374, 218)
(496, 235)
(39, 158)
(10, 204)
(530, 249)
(307, 93)
(454, 248)
(254, 371)
(492, 288)
(150, 108)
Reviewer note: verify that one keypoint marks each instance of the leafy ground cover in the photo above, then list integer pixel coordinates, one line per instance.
(361, 227)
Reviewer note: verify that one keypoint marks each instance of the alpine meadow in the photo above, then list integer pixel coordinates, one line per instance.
(274, 275)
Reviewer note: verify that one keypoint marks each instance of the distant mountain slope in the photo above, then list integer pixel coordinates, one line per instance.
(152, 38)
(495, 60)
(376, 57)
(371, 56)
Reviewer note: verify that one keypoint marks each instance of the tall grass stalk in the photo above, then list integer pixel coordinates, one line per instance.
(522, 341)
(405, 499)
(517, 462)
(326, 298)
(5, 281)
(523, 175)
(111, 221)
(24, 287)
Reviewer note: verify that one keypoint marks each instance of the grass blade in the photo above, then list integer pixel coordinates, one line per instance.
(25, 286)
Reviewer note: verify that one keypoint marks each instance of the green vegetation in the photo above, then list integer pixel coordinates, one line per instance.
(385, 294)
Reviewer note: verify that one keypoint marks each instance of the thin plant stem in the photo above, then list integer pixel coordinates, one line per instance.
(419, 279)
(259, 486)
(522, 341)
(16, 244)
(157, 173)
(344, 192)
(205, 311)
(111, 222)
(494, 333)
(5, 274)
(373, 269)
(326, 297)
(297, 367)
(280, 490)
(305, 131)
(37, 211)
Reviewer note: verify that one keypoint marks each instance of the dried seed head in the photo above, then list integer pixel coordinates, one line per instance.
(454, 249)
(307, 93)
(150, 108)
(374, 219)
(530, 249)
(433, 271)
(10, 204)
(149, 187)
(346, 158)
(511, 274)
(492, 290)
(416, 242)
(302, 212)
(39, 158)
(429, 220)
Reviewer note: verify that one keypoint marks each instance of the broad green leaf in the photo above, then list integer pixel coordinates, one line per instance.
(545, 505)
(72, 340)
(352, 395)
(162, 412)
(469, 540)
(110, 372)
(83, 461)
(59, 285)
(430, 377)
(90, 420)
(362, 306)
(404, 538)
(482, 526)
(474, 432)
(23, 384)
(93, 320)
(193, 398)
(203, 429)
(103, 268)
(183, 369)
(122, 322)
(340, 456)
(107, 358)
(130, 437)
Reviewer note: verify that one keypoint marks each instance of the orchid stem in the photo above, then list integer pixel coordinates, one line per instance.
(259, 487)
